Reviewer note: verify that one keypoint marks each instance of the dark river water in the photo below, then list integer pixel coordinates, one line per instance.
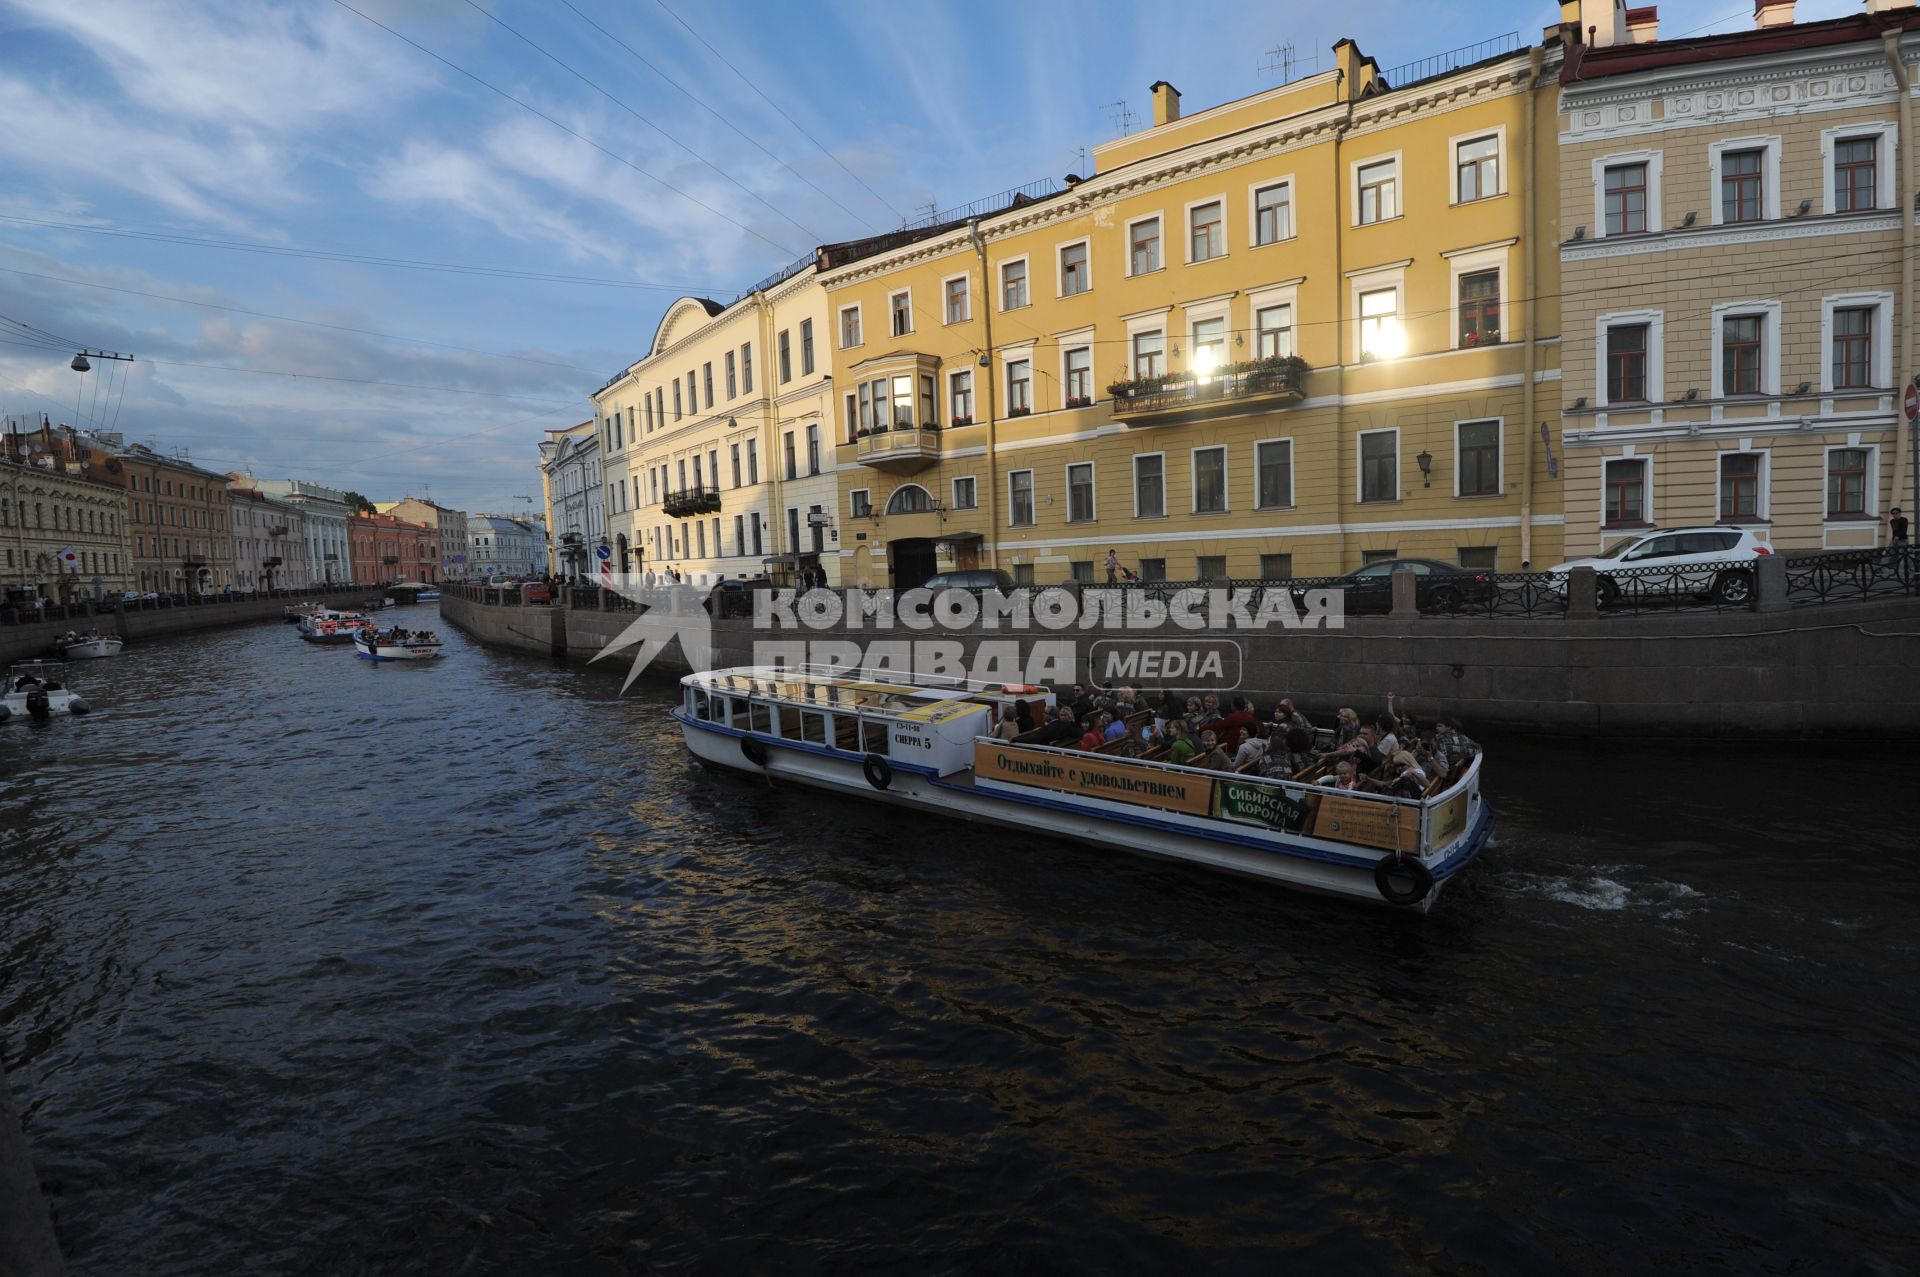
(316, 966)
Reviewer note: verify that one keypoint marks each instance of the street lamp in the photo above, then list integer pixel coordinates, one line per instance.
(1425, 460)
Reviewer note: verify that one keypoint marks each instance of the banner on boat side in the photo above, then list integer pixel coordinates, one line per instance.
(1076, 774)
(1448, 819)
(1388, 826)
(1267, 806)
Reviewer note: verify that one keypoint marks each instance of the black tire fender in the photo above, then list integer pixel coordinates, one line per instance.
(1389, 868)
(753, 750)
(879, 771)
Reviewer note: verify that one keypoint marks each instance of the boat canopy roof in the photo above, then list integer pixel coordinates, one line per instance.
(855, 690)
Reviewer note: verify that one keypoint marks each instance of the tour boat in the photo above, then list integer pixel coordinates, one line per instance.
(396, 644)
(925, 744)
(90, 647)
(324, 625)
(37, 690)
(427, 596)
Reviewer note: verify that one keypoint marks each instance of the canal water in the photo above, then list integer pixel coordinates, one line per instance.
(316, 966)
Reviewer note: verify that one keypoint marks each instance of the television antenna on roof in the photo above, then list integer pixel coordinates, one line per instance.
(1121, 115)
(1284, 60)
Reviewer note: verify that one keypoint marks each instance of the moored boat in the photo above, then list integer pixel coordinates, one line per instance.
(91, 646)
(926, 745)
(396, 644)
(37, 690)
(324, 625)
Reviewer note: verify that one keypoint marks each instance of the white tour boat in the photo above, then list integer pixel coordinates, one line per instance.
(90, 647)
(929, 747)
(396, 644)
(37, 690)
(324, 625)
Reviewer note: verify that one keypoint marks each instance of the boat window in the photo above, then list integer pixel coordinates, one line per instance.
(760, 717)
(846, 733)
(789, 722)
(699, 704)
(873, 737)
(816, 728)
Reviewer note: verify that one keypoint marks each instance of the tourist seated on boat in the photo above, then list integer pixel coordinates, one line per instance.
(1118, 727)
(1252, 748)
(1342, 776)
(1211, 756)
(1133, 741)
(1360, 746)
(1180, 746)
(1008, 728)
(1209, 713)
(1346, 726)
(1080, 703)
(1096, 733)
(1448, 739)
(1288, 755)
(1406, 779)
(1235, 723)
(1062, 731)
(1386, 736)
(1287, 718)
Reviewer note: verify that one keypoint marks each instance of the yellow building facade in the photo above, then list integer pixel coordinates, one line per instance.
(1281, 337)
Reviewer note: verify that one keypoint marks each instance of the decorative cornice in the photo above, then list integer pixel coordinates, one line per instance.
(1722, 236)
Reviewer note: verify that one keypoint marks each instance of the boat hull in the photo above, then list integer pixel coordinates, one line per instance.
(92, 650)
(1157, 834)
(397, 651)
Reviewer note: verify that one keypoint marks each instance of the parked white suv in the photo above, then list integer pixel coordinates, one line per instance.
(1699, 561)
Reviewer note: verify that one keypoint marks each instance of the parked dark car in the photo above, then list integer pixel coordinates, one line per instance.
(729, 598)
(971, 579)
(1438, 587)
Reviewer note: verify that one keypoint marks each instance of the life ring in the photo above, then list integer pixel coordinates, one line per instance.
(754, 751)
(1384, 875)
(879, 771)
(1018, 689)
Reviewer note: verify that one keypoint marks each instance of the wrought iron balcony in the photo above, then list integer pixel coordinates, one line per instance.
(683, 502)
(1183, 396)
(901, 450)
(270, 563)
(277, 532)
(389, 559)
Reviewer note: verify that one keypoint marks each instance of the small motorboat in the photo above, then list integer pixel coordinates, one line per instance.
(396, 644)
(37, 690)
(324, 625)
(91, 646)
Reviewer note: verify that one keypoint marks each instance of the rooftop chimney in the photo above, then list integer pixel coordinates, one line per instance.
(1772, 13)
(1643, 25)
(1603, 22)
(1166, 103)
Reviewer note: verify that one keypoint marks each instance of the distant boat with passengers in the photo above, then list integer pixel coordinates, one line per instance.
(927, 744)
(324, 625)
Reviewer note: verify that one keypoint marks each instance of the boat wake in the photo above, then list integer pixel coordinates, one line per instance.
(1598, 890)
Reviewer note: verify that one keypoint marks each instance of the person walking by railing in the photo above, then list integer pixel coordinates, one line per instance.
(1897, 544)
(1113, 566)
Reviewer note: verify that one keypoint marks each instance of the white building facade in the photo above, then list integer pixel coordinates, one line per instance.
(577, 502)
(500, 548)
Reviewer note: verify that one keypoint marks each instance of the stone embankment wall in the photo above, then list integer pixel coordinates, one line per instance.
(1827, 670)
(19, 642)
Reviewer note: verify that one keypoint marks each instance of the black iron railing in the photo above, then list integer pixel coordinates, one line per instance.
(682, 502)
(1842, 576)
(1172, 395)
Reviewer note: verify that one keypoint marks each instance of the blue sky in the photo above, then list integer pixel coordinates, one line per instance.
(302, 135)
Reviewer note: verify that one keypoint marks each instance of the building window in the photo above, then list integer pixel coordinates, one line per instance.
(1852, 347)
(1854, 174)
(900, 307)
(960, 398)
(927, 415)
(1480, 308)
(1477, 445)
(1273, 461)
(783, 355)
(1080, 492)
(1080, 571)
(746, 366)
(790, 468)
(1013, 284)
(676, 399)
(1079, 364)
(1276, 567)
(1209, 340)
(1019, 386)
(1206, 231)
(1210, 567)
(1075, 277)
(1380, 323)
(1379, 191)
(806, 348)
(813, 449)
(959, 302)
(1740, 185)
(1209, 480)
(965, 495)
(1149, 487)
(1626, 199)
(1627, 363)
(1476, 169)
(1380, 466)
(1020, 498)
(1273, 213)
(902, 395)
(1479, 558)
(1149, 354)
(1739, 485)
(1740, 344)
(733, 455)
(1273, 331)
(1143, 246)
(849, 327)
(733, 382)
(1847, 483)
(1626, 492)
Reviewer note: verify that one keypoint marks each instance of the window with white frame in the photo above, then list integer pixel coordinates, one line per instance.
(1209, 341)
(1380, 334)
(1020, 498)
(1273, 213)
(1080, 492)
(1746, 348)
(862, 503)
(1625, 198)
(960, 397)
(1852, 347)
(900, 308)
(1019, 386)
(1380, 465)
(1013, 284)
(733, 386)
(902, 397)
(1855, 164)
(1476, 447)
(1273, 331)
(806, 347)
(1378, 191)
(959, 300)
(1143, 246)
(965, 493)
(1624, 492)
(1273, 471)
(1476, 168)
(1628, 355)
(1150, 353)
(1075, 274)
(1850, 483)
(1149, 486)
(849, 327)
(1079, 371)
(1478, 307)
(1209, 480)
(1739, 486)
(1741, 176)
(1207, 231)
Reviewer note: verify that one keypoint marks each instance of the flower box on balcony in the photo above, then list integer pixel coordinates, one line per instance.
(1080, 401)
(1019, 412)
(961, 421)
